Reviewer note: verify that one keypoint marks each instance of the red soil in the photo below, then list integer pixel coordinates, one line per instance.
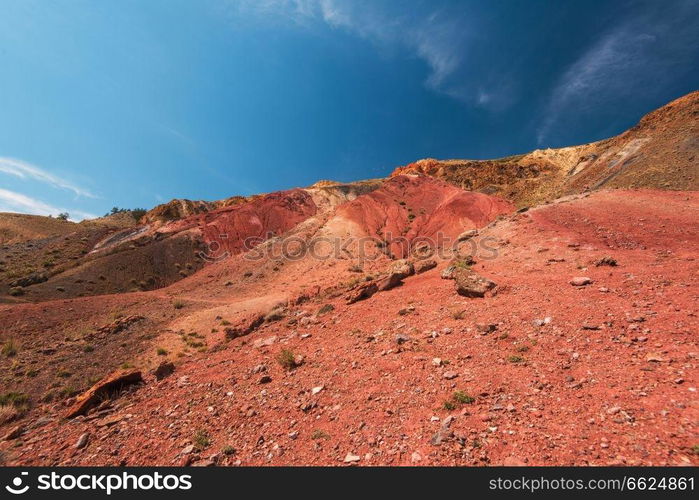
(610, 379)
(409, 208)
(240, 227)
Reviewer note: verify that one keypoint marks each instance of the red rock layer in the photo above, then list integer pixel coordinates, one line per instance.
(237, 228)
(407, 209)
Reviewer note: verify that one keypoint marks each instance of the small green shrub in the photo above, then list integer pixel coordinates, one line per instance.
(16, 399)
(462, 398)
(201, 439)
(68, 392)
(137, 213)
(464, 263)
(10, 348)
(319, 434)
(449, 405)
(286, 358)
(326, 309)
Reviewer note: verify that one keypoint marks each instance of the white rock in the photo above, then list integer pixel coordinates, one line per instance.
(82, 441)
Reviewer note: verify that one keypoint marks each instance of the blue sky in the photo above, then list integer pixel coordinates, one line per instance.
(132, 102)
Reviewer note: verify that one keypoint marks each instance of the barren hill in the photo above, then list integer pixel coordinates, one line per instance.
(385, 322)
(661, 152)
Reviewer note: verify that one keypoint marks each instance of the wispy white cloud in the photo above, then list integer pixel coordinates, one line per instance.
(11, 201)
(25, 204)
(435, 35)
(639, 57)
(25, 170)
(434, 38)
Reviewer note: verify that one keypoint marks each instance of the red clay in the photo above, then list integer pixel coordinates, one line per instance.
(408, 208)
(609, 378)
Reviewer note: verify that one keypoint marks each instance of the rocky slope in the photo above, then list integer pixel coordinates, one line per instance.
(539, 371)
(661, 152)
(109, 256)
(99, 258)
(38, 248)
(383, 322)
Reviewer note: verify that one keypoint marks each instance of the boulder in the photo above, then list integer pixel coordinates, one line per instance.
(456, 265)
(14, 433)
(422, 266)
(362, 292)
(606, 261)
(266, 342)
(471, 284)
(120, 324)
(467, 235)
(164, 369)
(245, 327)
(30, 279)
(448, 272)
(275, 314)
(402, 268)
(444, 433)
(104, 387)
(82, 441)
(402, 338)
(486, 328)
(397, 272)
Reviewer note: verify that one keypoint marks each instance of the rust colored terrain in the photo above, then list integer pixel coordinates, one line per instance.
(405, 321)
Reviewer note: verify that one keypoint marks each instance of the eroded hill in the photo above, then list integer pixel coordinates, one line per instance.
(395, 321)
(273, 364)
(661, 152)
